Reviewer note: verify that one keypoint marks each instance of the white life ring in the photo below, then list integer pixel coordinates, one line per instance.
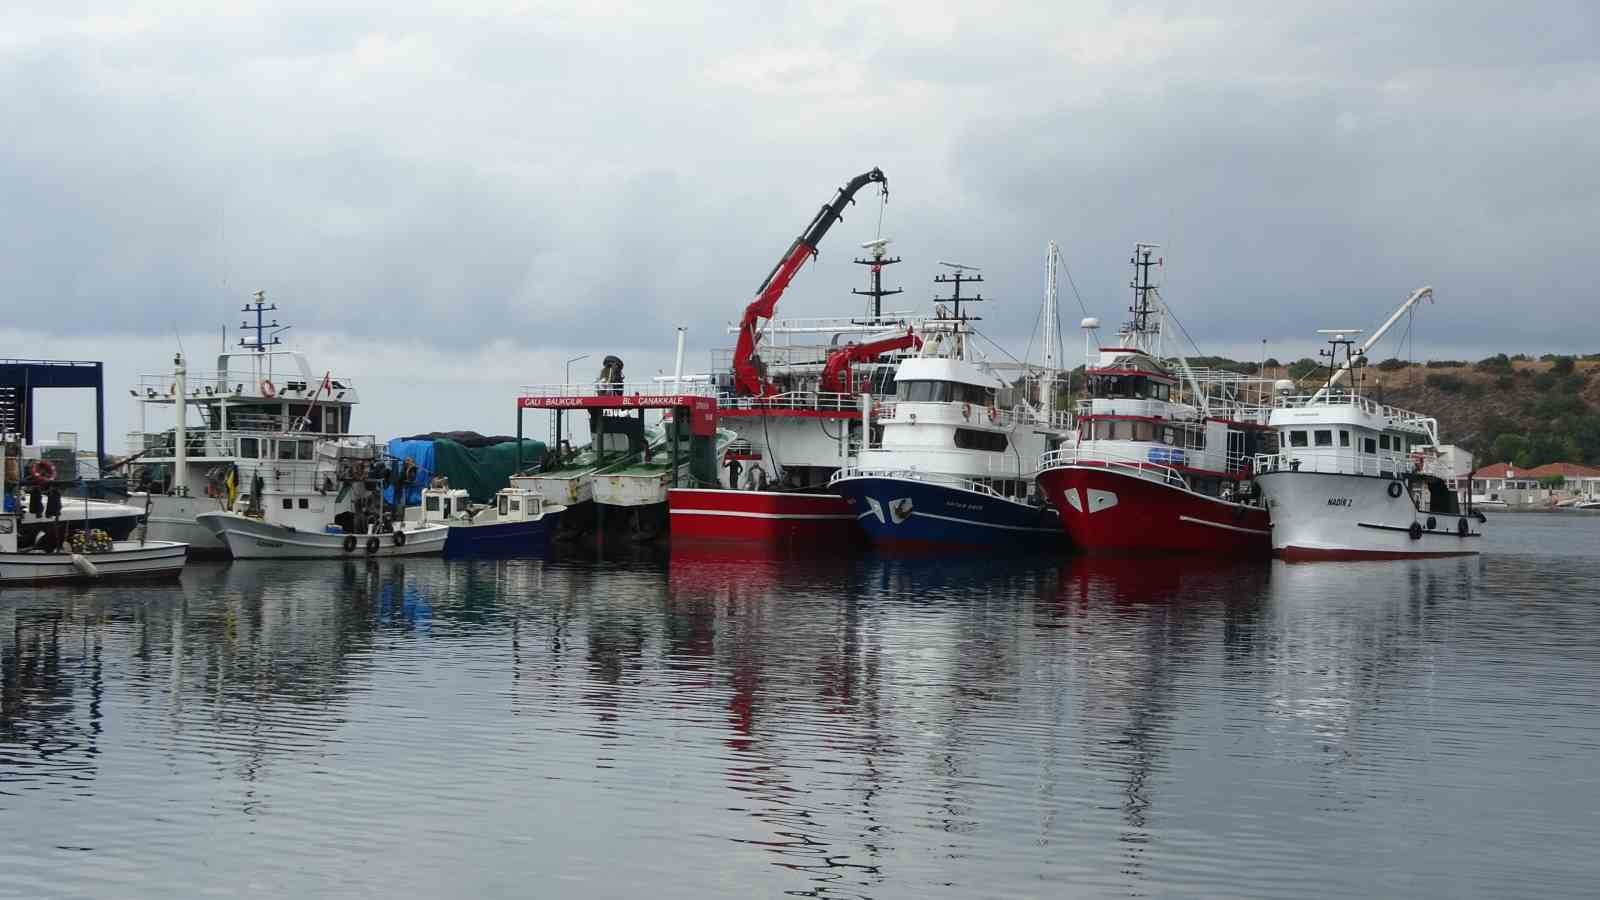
(994, 416)
(268, 389)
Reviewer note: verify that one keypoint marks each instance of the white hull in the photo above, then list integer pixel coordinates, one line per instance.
(562, 489)
(127, 559)
(173, 519)
(632, 490)
(1318, 515)
(248, 538)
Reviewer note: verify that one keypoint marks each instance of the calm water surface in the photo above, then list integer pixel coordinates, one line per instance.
(692, 726)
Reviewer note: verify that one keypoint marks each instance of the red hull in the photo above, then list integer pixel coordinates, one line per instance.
(1106, 511)
(770, 518)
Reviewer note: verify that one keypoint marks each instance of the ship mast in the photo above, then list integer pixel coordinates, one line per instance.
(956, 279)
(1140, 327)
(876, 253)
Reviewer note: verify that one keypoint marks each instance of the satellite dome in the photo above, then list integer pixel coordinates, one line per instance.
(1088, 323)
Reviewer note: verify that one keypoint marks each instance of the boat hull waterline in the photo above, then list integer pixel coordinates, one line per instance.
(501, 539)
(127, 560)
(1104, 510)
(1318, 515)
(915, 514)
(774, 518)
(248, 538)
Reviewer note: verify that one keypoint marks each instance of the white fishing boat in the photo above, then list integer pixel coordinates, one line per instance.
(260, 414)
(337, 512)
(1355, 479)
(957, 463)
(86, 555)
(249, 537)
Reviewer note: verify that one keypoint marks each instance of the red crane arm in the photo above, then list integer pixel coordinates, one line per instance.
(747, 378)
(836, 371)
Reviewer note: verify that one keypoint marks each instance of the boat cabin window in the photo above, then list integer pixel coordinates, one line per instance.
(1324, 438)
(1297, 438)
(446, 509)
(943, 392)
(505, 504)
(973, 439)
(305, 503)
(288, 503)
(248, 448)
(431, 504)
(1344, 438)
(1114, 387)
(1383, 442)
(1369, 445)
(516, 505)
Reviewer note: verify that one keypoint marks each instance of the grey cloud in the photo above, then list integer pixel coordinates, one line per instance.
(582, 182)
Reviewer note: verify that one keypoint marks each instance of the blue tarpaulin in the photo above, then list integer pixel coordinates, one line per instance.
(480, 470)
(419, 452)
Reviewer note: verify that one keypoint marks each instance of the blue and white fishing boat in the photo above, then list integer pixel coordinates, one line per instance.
(960, 446)
(517, 523)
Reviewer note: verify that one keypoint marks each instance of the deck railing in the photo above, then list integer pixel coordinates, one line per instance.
(666, 388)
(955, 481)
(1346, 462)
(1089, 456)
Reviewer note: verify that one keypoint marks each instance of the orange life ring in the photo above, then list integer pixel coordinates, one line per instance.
(994, 415)
(966, 411)
(42, 470)
(268, 389)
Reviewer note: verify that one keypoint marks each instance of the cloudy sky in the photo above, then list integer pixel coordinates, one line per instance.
(449, 201)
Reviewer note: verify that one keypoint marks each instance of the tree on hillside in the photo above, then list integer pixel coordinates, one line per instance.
(1301, 368)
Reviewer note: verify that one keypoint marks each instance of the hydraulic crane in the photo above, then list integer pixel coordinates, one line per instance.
(836, 373)
(748, 378)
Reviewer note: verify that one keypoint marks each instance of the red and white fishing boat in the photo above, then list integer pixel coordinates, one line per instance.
(790, 391)
(1162, 460)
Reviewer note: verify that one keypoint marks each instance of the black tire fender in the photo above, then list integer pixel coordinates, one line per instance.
(372, 545)
(1432, 523)
(1461, 527)
(349, 543)
(1396, 489)
(399, 538)
(1416, 531)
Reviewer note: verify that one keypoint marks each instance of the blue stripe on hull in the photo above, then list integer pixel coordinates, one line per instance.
(502, 538)
(909, 513)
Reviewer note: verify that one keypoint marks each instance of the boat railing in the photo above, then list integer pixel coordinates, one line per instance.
(1401, 418)
(668, 388)
(1130, 406)
(955, 481)
(235, 385)
(1345, 462)
(243, 445)
(1094, 456)
(818, 401)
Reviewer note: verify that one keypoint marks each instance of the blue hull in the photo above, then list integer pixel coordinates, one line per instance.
(502, 538)
(906, 513)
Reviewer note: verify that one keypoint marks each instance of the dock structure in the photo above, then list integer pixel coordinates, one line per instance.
(19, 378)
(692, 401)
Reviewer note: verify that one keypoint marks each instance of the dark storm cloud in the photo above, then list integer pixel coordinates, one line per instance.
(581, 178)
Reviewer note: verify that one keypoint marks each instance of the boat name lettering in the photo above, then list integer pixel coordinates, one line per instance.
(1340, 501)
(974, 507)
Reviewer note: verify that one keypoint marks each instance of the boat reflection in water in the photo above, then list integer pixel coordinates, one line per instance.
(860, 726)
